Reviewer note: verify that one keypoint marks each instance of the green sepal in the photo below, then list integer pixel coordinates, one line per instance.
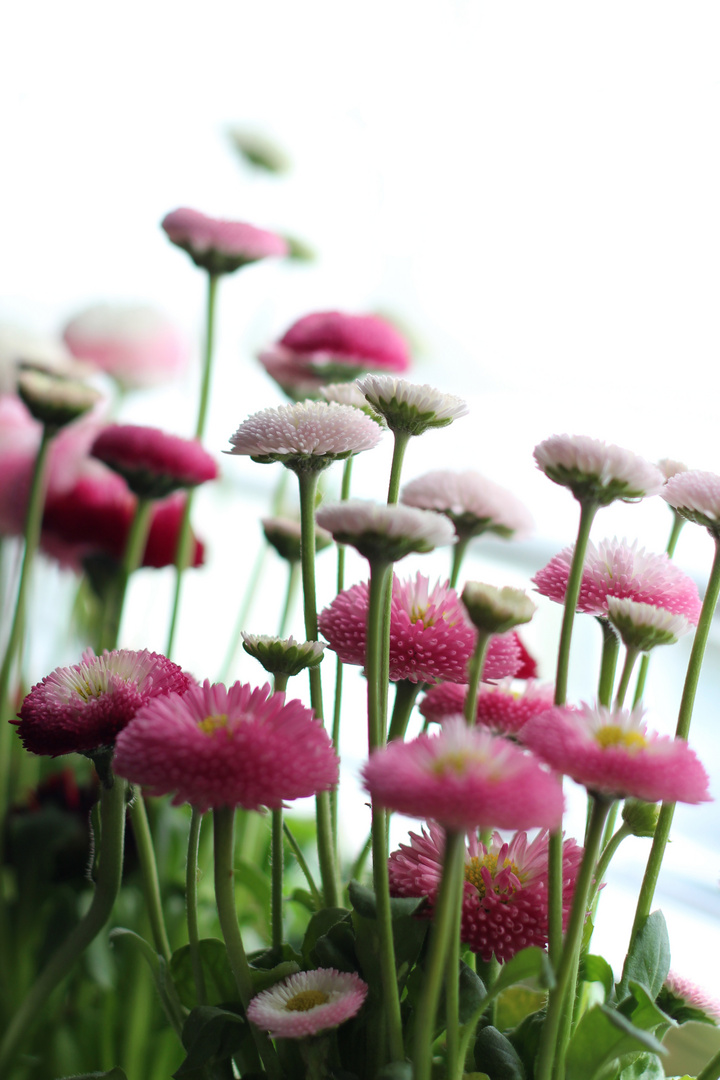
(601, 1036)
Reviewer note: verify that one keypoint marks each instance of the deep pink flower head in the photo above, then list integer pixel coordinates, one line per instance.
(82, 708)
(153, 462)
(308, 1002)
(19, 440)
(331, 346)
(464, 778)
(217, 245)
(616, 568)
(227, 747)
(135, 344)
(696, 496)
(499, 707)
(610, 752)
(528, 664)
(505, 896)
(431, 637)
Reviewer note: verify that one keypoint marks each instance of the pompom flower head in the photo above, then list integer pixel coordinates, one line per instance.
(696, 496)
(410, 408)
(386, 533)
(431, 637)
(152, 462)
(307, 436)
(505, 895)
(227, 747)
(616, 568)
(499, 707)
(597, 471)
(82, 708)
(474, 504)
(220, 246)
(464, 778)
(610, 752)
(308, 1002)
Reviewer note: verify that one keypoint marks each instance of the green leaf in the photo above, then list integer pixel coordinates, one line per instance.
(319, 925)
(113, 1074)
(248, 875)
(264, 978)
(643, 1067)
(210, 1035)
(601, 1036)
(531, 963)
(526, 1038)
(219, 980)
(472, 993)
(643, 1011)
(363, 901)
(648, 961)
(515, 1004)
(337, 947)
(304, 897)
(597, 969)
(496, 1055)
(396, 1070)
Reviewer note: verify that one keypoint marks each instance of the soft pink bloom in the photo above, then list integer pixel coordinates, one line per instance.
(227, 747)
(696, 496)
(83, 707)
(217, 245)
(134, 343)
(616, 568)
(153, 462)
(305, 433)
(679, 994)
(669, 467)
(329, 346)
(308, 1002)
(411, 407)
(431, 637)
(499, 707)
(19, 345)
(464, 778)
(596, 469)
(382, 530)
(610, 752)
(473, 503)
(505, 896)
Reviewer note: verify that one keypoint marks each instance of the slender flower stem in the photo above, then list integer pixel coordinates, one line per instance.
(458, 554)
(340, 582)
(132, 557)
(608, 852)
(380, 574)
(631, 655)
(678, 523)
(148, 868)
(290, 594)
(182, 552)
(475, 668)
(402, 438)
(400, 445)
(444, 920)
(277, 853)
(406, 693)
(662, 829)
(107, 885)
(191, 905)
(608, 663)
(302, 863)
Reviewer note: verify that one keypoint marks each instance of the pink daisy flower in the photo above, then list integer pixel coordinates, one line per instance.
(82, 708)
(616, 568)
(474, 504)
(410, 407)
(135, 344)
(499, 707)
(598, 470)
(669, 467)
(379, 531)
(464, 778)
(610, 752)
(696, 496)
(431, 637)
(220, 246)
(683, 1000)
(308, 1002)
(227, 747)
(152, 462)
(505, 896)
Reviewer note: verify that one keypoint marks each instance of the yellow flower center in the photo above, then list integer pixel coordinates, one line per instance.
(456, 761)
(307, 1000)
(476, 865)
(211, 723)
(614, 735)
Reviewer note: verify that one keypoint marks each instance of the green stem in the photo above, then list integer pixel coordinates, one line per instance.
(475, 668)
(359, 865)
(402, 438)
(340, 582)
(662, 830)
(444, 920)
(297, 852)
(148, 869)
(380, 575)
(608, 664)
(132, 557)
(406, 693)
(290, 594)
(191, 905)
(244, 612)
(678, 523)
(608, 852)
(458, 554)
(631, 655)
(277, 852)
(109, 874)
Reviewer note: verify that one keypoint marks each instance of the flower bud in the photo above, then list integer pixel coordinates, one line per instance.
(496, 610)
(283, 656)
(55, 401)
(640, 817)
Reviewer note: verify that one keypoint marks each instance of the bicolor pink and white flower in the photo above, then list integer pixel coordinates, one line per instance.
(410, 407)
(227, 747)
(611, 753)
(431, 637)
(505, 895)
(684, 1000)
(217, 245)
(499, 707)
(152, 462)
(696, 496)
(383, 531)
(669, 467)
(617, 568)
(83, 708)
(464, 778)
(596, 470)
(473, 503)
(644, 626)
(308, 1002)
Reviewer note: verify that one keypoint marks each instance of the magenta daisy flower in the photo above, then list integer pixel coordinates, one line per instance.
(82, 708)
(474, 504)
(505, 896)
(499, 707)
(616, 568)
(308, 1002)
(696, 496)
(220, 246)
(431, 637)
(152, 462)
(610, 752)
(227, 747)
(597, 470)
(464, 778)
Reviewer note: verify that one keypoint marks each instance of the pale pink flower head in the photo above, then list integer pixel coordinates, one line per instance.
(431, 637)
(307, 436)
(464, 778)
(19, 345)
(616, 568)
(684, 1000)
(153, 463)
(644, 626)
(227, 747)
(331, 346)
(135, 344)
(505, 895)
(410, 408)
(220, 246)
(382, 531)
(307, 1003)
(504, 710)
(597, 471)
(669, 467)
(474, 504)
(696, 496)
(611, 753)
(82, 708)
